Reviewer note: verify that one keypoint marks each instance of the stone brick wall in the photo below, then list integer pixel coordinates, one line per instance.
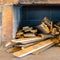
(7, 19)
(0, 25)
(54, 1)
(39, 1)
(7, 22)
(8, 1)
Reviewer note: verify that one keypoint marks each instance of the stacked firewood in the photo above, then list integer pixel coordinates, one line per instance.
(31, 39)
(26, 32)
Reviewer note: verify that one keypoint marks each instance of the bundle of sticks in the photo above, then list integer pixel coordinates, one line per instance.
(29, 40)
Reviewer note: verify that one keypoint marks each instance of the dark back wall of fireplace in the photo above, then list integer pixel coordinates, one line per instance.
(32, 15)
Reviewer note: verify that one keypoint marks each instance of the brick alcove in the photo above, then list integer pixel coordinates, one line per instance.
(11, 16)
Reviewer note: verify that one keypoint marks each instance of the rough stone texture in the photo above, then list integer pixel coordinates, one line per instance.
(54, 1)
(0, 8)
(8, 1)
(0, 25)
(7, 22)
(0, 34)
(50, 54)
(39, 1)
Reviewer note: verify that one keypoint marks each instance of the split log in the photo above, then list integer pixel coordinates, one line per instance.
(57, 26)
(31, 40)
(47, 21)
(29, 35)
(42, 50)
(17, 47)
(8, 44)
(33, 31)
(32, 48)
(56, 42)
(13, 49)
(19, 33)
(27, 28)
(27, 40)
(43, 27)
(24, 45)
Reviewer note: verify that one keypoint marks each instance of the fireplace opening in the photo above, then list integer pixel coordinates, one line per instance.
(32, 15)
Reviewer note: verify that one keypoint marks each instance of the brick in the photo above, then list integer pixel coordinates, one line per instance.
(7, 22)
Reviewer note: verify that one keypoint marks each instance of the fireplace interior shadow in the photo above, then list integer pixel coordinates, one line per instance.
(32, 15)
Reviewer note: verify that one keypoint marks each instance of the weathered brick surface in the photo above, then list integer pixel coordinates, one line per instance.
(41, 1)
(54, 1)
(0, 1)
(0, 8)
(8, 1)
(0, 25)
(7, 22)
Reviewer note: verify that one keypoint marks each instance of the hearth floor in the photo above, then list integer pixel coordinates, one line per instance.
(50, 54)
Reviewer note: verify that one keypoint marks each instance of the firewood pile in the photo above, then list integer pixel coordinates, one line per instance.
(31, 39)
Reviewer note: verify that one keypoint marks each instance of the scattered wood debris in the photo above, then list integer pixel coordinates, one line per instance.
(29, 39)
(32, 48)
